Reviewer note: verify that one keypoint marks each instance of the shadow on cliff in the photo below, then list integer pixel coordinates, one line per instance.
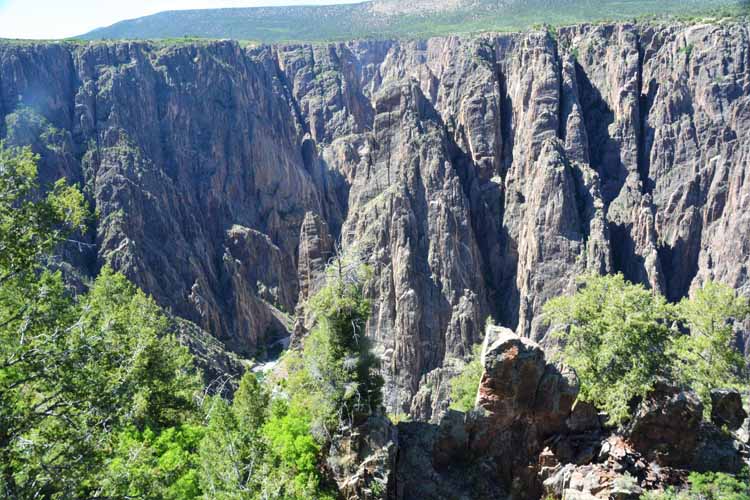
(604, 150)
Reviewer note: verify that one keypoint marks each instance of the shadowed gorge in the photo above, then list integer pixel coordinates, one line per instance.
(478, 177)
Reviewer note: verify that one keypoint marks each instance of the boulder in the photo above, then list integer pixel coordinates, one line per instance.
(584, 417)
(513, 368)
(718, 451)
(666, 425)
(519, 385)
(726, 408)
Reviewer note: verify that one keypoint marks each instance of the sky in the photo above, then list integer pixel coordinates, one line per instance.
(45, 19)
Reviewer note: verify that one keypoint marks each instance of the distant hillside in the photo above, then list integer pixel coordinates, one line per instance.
(397, 18)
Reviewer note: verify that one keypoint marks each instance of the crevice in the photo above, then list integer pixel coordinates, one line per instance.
(561, 110)
(506, 124)
(645, 134)
(604, 154)
(291, 98)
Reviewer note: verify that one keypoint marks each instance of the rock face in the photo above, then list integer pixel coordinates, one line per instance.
(665, 426)
(362, 460)
(476, 176)
(726, 409)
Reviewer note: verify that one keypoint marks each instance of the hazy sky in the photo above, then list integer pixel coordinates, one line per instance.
(65, 18)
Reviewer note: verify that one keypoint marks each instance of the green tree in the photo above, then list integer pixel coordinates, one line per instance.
(74, 373)
(32, 223)
(707, 357)
(35, 317)
(340, 356)
(332, 383)
(464, 386)
(234, 461)
(150, 465)
(294, 452)
(615, 335)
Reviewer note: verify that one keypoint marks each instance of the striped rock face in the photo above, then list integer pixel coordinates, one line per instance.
(477, 176)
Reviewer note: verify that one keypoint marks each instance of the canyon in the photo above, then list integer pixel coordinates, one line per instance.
(477, 176)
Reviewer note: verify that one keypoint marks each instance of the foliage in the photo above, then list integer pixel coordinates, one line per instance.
(464, 385)
(257, 448)
(687, 50)
(74, 373)
(337, 371)
(332, 383)
(398, 418)
(615, 336)
(295, 452)
(263, 447)
(139, 361)
(152, 465)
(706, 357)
(707, 486)
(32, 224)
(620, 339)
(719, 486)
(233, 461)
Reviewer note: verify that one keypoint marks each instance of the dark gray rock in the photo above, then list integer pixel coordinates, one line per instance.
(363, 460)
(726, 409)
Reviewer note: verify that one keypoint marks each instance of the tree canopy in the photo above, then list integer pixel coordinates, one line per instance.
(621, 338)
(77, 374)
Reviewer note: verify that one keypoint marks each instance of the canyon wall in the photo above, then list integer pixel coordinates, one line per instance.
(477, 176)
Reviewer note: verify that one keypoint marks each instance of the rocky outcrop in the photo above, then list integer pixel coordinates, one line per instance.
(666, 424)
(519, 384)
(316, 249)
(477, 176)
(222, 369)
(522, 402)
(433, 398)
(527, 440)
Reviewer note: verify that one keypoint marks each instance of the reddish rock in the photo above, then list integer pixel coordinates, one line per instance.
(518, 384)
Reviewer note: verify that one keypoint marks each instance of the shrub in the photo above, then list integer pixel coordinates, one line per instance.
(620, 339)
(346, 367)
(148, 464)
(707, 486)
(706, 357)
(464, 385)
(615, 336)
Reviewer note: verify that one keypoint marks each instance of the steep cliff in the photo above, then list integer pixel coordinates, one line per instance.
(477, 176)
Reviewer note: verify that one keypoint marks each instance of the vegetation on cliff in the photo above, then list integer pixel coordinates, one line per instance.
(98, 399)
(464, 385)
(707, 486)
(79, 377)
(270, 442)
(621, 339)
